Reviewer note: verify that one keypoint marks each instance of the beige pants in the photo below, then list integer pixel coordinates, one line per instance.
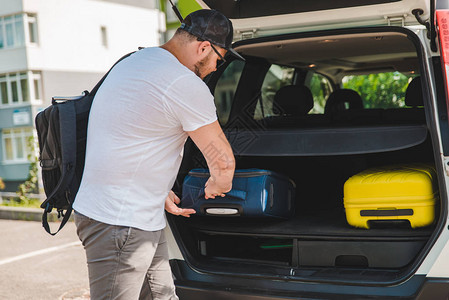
(124, 262)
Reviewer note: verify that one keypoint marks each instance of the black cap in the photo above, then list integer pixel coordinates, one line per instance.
(212, 26)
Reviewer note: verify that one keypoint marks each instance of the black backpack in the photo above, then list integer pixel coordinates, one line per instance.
(62, 132)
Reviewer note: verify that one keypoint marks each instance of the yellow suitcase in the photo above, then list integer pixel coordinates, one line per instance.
(398, 192)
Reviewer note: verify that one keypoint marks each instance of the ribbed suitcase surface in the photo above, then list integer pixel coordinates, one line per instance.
(398, 192)
(255, 193)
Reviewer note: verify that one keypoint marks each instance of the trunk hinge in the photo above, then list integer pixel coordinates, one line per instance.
(247, 34)
(431, 32)
(396, 20)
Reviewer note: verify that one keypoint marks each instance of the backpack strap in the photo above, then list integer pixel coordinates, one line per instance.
(66, 217)
(67, 123)
(97, 86)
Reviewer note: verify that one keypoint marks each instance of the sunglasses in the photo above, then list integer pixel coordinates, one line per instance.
(222, 60)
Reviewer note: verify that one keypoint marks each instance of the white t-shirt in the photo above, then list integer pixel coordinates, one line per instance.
(136, 133)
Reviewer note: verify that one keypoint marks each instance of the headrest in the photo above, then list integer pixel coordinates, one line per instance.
(293, 100)
(413, 94)
(338, 98)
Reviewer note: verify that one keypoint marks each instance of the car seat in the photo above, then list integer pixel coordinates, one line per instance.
(414, 111)
(345, 106)
(413, 94)
(337, 101)
(291, 105)
(292, 100)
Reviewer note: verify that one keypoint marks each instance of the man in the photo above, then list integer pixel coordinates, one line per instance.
(142, 114)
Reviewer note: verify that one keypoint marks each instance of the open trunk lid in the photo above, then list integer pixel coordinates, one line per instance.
(267, 17)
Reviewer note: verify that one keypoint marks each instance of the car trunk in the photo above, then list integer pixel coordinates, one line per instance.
(317, 243)
(317, 238)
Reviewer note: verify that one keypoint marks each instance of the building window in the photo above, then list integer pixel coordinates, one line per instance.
(20, 88)
(3, 90)
(11, 31)
(104, 36)
(32, 29)
(37, 86)
(14, 141)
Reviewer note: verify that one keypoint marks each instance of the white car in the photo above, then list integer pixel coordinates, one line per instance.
(377, 72)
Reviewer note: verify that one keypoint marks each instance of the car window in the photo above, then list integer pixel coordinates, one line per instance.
(321, 88)
(276, 77)
(381, 90)
(225, 89)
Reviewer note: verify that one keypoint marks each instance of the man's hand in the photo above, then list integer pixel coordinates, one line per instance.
(211, 190)
(171, 207)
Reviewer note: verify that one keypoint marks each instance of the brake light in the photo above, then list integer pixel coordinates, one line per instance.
(443, 34)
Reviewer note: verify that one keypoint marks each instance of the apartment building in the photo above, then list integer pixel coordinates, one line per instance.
(60, 47)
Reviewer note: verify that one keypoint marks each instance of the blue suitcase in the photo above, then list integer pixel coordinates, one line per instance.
(255, 193)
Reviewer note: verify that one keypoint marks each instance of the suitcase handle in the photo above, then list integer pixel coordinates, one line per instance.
(237, 194)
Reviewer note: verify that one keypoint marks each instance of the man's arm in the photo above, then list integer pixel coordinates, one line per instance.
(212, 142)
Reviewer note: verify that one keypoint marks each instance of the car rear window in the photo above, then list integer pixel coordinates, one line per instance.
(276, 77)
(225, 88)
(381, 90)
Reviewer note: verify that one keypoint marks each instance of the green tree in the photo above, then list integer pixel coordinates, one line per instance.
(382, 90)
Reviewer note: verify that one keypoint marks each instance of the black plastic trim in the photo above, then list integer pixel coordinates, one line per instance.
(434, 289)
(441, 103)
(198, 286)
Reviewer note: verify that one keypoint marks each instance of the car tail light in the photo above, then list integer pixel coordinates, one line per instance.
(443, 34)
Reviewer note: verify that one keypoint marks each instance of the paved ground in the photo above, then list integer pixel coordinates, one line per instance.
(37, 266)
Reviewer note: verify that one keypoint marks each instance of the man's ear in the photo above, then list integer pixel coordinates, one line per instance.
(202, 48)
